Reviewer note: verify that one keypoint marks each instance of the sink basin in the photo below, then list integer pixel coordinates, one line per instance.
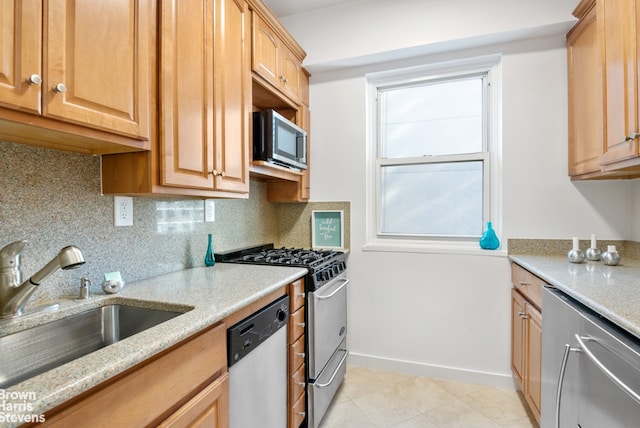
(33, 351)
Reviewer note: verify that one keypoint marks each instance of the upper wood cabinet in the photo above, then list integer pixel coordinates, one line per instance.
(619, 32)
(205, 95)
(202, 145)
(603, 90)
(71, 63)
(274, 61)
(585, 93)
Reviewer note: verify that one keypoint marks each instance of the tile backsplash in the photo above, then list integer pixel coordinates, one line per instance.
(53, 199)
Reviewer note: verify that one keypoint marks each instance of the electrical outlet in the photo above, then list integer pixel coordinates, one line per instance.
(209, 210)
(123, 210)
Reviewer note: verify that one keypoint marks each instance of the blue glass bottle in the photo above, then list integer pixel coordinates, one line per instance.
(489, 240)
(209, 260)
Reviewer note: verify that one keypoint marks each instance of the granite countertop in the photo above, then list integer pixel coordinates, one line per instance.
(207, 294)
(612, 291)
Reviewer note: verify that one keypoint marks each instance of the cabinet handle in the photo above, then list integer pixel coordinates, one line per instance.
(302, 384)
(34, 79)
(634, 135)
(300, 354)
(60, 88)
(301, 295)
(524, 283)
(215, 173)
(301, 324)
(523, 315)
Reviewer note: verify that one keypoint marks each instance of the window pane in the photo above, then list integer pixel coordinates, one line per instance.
(432, 199)
(433, 119)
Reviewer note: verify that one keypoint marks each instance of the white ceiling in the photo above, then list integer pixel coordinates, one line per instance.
(291, 7)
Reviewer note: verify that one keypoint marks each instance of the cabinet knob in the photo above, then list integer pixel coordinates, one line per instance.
(60, 88)
(34, 79)
(217, 173)
(283, 79)
(634, 135)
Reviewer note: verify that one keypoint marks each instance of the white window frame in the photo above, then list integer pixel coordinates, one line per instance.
(491, 157)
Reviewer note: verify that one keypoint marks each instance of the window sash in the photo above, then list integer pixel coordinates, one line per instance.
(484, 157)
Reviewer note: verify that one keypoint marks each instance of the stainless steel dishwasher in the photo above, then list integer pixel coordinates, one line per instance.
(590, 368)
(257, 359)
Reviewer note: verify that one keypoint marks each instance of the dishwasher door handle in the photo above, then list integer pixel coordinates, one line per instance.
(620, 384)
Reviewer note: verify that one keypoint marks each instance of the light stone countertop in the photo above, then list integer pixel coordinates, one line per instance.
(612, 291)
(213, 294)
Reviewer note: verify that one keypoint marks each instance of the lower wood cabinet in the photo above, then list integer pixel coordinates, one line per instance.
(207, 409)
(297, 368)
(186, 385)
(526, 336)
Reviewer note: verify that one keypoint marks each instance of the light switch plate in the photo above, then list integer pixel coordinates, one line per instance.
(209, 210)
(123, 210)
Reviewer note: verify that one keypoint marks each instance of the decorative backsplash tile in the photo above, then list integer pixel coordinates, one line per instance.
(53, 198)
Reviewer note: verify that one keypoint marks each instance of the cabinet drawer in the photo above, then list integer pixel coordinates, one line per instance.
(297, 384)
(528, 284)
(296, 325)
(297, 412)
(296, 294)
(296, 354)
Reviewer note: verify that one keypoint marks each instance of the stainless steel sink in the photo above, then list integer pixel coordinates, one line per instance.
(33, 351)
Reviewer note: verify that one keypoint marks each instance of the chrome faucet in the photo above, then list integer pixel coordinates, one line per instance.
(14, 293)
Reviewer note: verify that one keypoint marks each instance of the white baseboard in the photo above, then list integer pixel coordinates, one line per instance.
(499, 380)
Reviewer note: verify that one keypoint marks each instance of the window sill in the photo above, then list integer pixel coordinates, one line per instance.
(434, 247)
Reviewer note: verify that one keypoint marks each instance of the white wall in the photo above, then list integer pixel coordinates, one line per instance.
(448, 315)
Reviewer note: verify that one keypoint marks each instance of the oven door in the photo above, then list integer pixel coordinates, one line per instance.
(327, 322)
(322, 391)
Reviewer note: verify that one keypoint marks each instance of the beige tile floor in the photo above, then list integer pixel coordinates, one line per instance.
(370, 398)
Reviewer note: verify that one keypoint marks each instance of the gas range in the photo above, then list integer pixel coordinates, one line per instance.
(323, 265)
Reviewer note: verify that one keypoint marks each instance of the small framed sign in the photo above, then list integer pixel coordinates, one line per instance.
(327, 229)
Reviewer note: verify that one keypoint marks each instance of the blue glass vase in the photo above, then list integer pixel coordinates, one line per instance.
(209, 260)
(489, 240)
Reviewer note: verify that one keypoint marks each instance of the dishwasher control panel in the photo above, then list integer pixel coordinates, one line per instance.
(248, 334)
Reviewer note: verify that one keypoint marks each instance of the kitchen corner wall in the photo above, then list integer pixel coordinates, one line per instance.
(53, 199)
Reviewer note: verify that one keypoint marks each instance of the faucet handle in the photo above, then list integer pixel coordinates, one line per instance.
(10, 255)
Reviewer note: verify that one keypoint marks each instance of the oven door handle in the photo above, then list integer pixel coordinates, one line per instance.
(344, 357)
(333, 293)
(623, 386)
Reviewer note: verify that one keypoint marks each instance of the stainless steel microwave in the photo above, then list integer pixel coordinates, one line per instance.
(278, 140)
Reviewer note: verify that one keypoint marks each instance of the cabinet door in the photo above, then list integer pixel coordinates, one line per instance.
(617, 20)
(290, 72)
(20, 54)
(518, 336)
(584, 59)
(186, 93)
(266, 45)
(232, 96)
(533, 381)
(208, 409)
(98, 59)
